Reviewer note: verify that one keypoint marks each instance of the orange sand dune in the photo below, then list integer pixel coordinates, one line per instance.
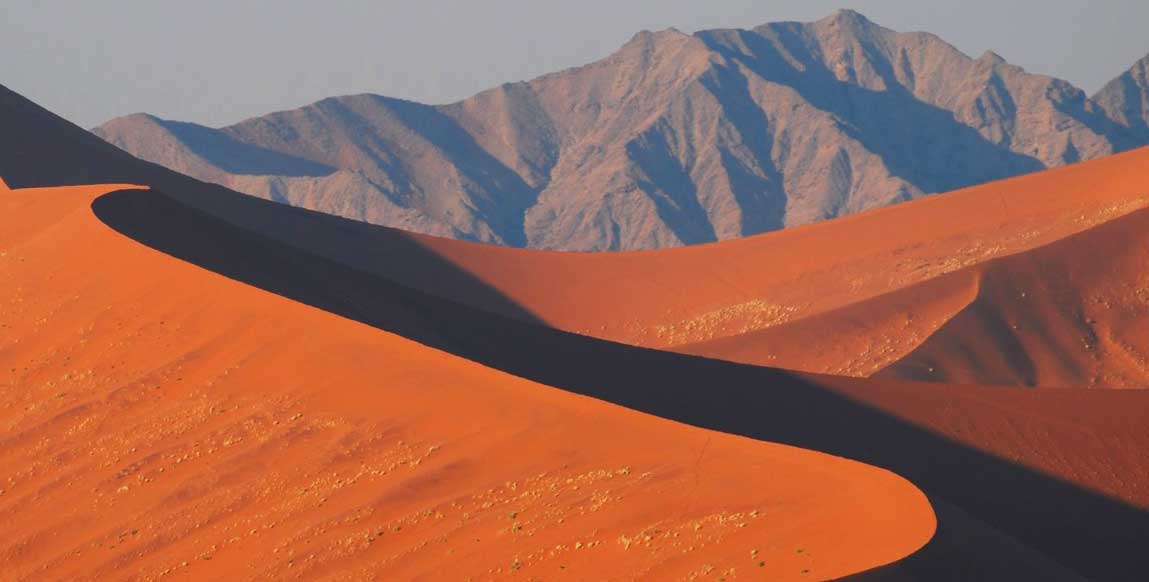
(1004, 506)
(162, 420)
(849, 296)
(685, 295)
(1072, 313)
(858, 339)
(1069, 313)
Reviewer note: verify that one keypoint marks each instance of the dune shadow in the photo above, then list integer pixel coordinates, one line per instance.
(1095, 536)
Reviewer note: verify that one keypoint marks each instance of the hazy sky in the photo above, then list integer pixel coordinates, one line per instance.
(219, 61)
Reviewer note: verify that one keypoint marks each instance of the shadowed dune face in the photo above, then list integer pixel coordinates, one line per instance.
(164, 420)
(1013, 474)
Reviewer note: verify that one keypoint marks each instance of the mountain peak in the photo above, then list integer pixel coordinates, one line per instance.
(141, 116)
(847, 16)
(992, 57)
(1126, 99)
(132, 120)
(651, 36)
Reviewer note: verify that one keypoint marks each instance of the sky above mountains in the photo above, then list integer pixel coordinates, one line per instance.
(220, 61)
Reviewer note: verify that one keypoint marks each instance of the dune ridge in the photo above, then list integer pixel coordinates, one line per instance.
(750, 300)
(167, 421)
(1075, 517)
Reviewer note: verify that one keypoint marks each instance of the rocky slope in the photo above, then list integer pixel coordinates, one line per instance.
(675, 139)
(1126, 99)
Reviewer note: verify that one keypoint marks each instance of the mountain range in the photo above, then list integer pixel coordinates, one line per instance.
(675, 139)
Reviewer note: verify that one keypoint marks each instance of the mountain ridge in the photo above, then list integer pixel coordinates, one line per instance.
(674, 139)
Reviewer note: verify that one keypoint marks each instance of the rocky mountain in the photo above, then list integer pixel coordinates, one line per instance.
(674, 139)
(1126, 99)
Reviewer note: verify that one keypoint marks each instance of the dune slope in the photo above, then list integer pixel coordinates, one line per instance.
(1021, 481)
(803, 299)
(163, 420)
(675, 297)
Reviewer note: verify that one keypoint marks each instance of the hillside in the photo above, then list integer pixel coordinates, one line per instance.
(1126, 99)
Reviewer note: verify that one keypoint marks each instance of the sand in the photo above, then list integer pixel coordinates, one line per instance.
(161, 420)
(851, 296)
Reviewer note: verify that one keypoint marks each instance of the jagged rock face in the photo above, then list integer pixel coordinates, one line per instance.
(1126, 99)
(675, 139)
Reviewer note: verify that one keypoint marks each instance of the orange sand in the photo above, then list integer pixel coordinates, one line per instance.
(1072, 313)
(160, 420)
(849, 296)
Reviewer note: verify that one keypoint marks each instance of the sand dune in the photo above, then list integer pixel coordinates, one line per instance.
(980, 474)
(728, 300)
(802, 299)
(1072, 313)
(674, 297)
(1024, 486)
(1068, 313)
(161, 419)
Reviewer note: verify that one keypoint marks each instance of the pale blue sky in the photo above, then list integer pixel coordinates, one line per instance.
(219, 61)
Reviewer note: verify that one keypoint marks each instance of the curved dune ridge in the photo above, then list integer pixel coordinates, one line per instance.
(1027, 482)
(165, 420)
